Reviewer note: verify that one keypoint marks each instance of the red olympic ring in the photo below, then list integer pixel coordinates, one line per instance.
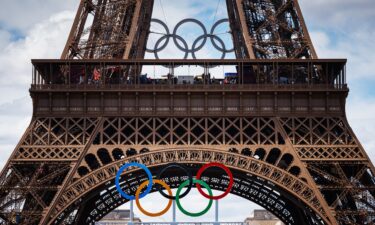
(227, 171)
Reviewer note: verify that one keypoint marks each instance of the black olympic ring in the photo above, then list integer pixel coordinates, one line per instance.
(213, 35)
(188, 173)
(192, 21)
(198, 43)
(167, 35)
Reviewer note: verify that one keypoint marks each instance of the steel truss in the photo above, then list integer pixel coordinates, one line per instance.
(266, 29)
(263, 150)
(118, 30)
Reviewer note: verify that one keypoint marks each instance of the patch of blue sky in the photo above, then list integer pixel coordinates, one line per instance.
(364, 88)
(335, 36)
(15, 34)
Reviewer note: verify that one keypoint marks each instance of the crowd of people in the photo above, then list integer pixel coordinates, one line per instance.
(117, 75)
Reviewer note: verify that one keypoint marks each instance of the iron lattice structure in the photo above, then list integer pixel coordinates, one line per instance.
(269, 29)
(281, 126)
(260, 29)
(118, 30)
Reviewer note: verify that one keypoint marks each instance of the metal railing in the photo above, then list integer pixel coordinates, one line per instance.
(127, 74)
(177, 87)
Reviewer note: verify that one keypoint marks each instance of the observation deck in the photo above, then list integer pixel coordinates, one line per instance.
(189, 87)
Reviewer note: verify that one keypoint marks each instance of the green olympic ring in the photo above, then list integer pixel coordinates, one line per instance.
(186, 183)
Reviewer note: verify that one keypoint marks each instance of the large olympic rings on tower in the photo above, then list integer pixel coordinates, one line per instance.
(148, 184)
(197, 45)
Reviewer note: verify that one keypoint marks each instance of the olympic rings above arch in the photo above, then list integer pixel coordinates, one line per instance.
(198, 44)
(188, 183)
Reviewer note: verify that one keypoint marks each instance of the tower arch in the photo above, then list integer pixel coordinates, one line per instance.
(267, 185)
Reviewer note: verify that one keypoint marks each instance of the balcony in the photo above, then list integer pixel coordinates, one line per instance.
(189, 75)
(188, 87)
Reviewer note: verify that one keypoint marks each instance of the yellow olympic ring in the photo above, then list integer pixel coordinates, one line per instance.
(143, 185)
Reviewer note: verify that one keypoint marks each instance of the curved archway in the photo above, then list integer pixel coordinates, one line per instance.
(295, 170)
(260, 153)
(131, 152)
(92, 161)
(249, 173)
(82, 171)
(118, 154)
(246, 152)
(259, 192)
(104, 156)
(285, 161)
(273, 156)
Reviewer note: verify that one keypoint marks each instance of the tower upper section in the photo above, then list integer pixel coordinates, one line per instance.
(276, 70)
(119, 29)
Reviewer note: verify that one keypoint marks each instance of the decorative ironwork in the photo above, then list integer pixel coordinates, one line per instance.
(97, 178)
(189, 131)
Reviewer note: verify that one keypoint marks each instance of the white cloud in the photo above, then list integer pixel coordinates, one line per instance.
(45, 40)
(339, 15)
(358, 48)
(14, 119)
(22, 15)
(175, 11)
(5, 37)
(361, 116)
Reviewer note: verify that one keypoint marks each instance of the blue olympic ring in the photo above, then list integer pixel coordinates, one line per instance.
(121, 170)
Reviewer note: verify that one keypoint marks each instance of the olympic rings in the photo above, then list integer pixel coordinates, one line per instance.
(162, 183)
(198, 182)
(190, 182)
(198, 44)
(121, 170)
(187, 173)
(199, 174)
(213, 35)
(166, 35)
(192, 21)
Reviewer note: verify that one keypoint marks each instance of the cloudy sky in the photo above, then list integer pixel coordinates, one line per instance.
(39, 28)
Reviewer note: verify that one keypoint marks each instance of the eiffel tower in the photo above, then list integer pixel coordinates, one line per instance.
(280, 126)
